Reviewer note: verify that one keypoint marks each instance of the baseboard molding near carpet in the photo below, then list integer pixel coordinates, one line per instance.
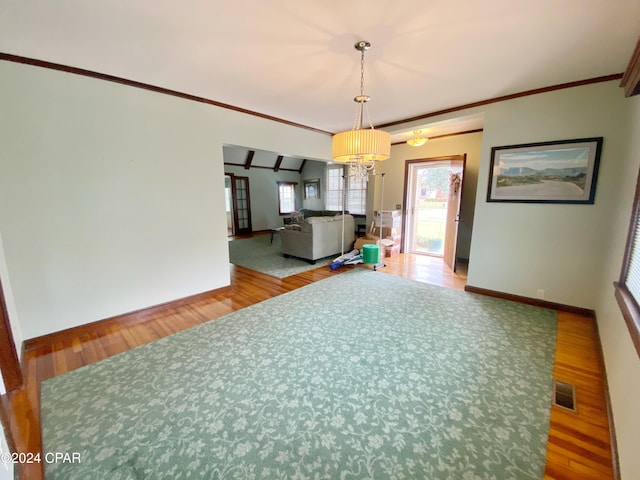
(136, 316)
(615, 458)
(536, 302)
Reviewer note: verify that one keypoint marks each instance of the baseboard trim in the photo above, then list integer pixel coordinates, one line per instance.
(137, 316)
(615, 459)
(532, 301)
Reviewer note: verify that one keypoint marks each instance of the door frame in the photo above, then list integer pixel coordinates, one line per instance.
(232, 221)
(236, 229)
(405, 194)
(9, 363)
(457, 220)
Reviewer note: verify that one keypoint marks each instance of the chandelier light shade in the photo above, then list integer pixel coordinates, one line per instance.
(417, 140)
(361, 147)
(367, 144)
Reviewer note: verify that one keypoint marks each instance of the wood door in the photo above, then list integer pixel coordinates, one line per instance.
(241, 205)
(426, 191)
(452, 219)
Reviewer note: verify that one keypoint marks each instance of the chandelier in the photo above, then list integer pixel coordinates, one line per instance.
(361, 147)
(418, 139)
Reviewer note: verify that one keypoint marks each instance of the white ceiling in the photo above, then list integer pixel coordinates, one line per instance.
(295, 60)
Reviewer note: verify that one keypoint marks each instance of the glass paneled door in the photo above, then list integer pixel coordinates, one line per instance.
(432, 213)
(241, 205)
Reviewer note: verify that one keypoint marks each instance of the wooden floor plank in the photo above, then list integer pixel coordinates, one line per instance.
(578, 446)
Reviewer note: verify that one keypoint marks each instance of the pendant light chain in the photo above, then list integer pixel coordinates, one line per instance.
(357, 122)
(362, 107)
(362, 73)
(369, 118)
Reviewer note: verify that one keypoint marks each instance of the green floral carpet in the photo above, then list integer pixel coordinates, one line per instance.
(361, 375)
(257, 253)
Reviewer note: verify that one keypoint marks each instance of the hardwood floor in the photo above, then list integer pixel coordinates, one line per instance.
(579, 443)
(578, 447)
(424, 268)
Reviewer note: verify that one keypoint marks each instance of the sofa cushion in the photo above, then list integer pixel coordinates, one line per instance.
(306, 213)
(308, 223)
(312, 220)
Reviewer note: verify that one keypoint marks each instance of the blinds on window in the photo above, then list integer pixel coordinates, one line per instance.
(632, 281)
(335, 187)
(357, 196)
(627, 291)
(340, 185)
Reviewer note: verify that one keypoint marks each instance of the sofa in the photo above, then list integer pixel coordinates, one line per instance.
(317, 235)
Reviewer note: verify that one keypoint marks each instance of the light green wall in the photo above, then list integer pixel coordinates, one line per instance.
(112, 197)
(314, 169)
(622, 363)
(520, 248)
(394, 170)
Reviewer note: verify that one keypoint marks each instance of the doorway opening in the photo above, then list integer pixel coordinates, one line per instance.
(238, 204)
(228, 200)
(433, 189)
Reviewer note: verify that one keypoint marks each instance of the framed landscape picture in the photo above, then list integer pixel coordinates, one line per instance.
(312, 189)
(562, 171)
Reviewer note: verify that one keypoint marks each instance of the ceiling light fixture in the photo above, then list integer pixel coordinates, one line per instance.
(418, 139)
(361, 147)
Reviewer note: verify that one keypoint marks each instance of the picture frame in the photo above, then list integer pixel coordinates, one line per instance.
(311, 189)
(560, 171)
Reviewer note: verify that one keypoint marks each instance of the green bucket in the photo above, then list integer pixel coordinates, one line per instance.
(370, 253)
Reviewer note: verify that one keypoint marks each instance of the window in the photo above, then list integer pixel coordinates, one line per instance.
(286, 197)
(335, 187)
(356, 191)
(357, 195)
(628, 288)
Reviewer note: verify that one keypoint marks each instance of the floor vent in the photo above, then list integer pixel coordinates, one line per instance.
(564, 395)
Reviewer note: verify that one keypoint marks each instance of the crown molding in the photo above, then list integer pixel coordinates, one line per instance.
(631, 78)
(561, 86)
(145, 86)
